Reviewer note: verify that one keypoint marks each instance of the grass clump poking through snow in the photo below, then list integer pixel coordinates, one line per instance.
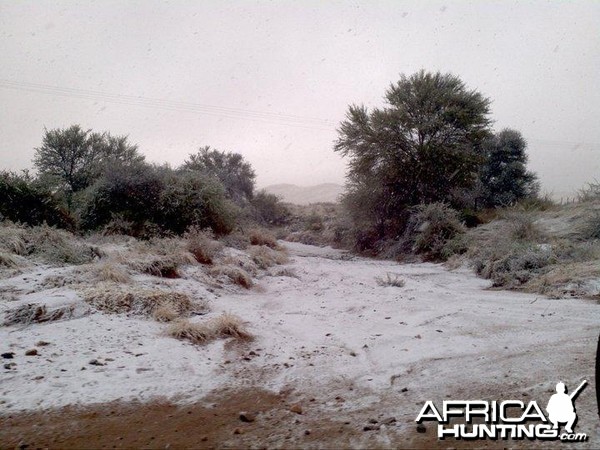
(236, 274)
(162, 305)
(32, 313)
(390, 280)
(224, 326)
(46, 244)
(111, 271)
(259, 236)
(159, 257)
(265, 257)
(591, 227)
(202, 245)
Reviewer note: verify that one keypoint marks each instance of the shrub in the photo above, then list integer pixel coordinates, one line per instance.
(22, 201)
(190, 199)
(431, 227)
(522, 227)
(129, 196)
(143, 200)
(591, 227)
(589, 193)
(268, 209)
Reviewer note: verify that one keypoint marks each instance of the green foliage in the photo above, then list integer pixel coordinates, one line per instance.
(21, 200)
(423, 147)
(144, 200)
(191, 199)
(268, 209)
(230, 169)
(71, 159)
(430, 229)
(504, 178)
(129, 195)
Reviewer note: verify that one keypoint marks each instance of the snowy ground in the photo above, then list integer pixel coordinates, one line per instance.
(333, 329)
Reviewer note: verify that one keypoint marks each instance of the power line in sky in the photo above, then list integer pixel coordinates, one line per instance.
(171, 105)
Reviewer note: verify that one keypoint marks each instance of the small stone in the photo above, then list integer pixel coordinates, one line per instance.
(95, 362)
(306, 432)
(8, 355)
(32, 352)
(247, 417)
(238, 431)
(421, 428)
(373, 421)
(371, 428)
(9, 366)
(296, 408)
(404, 389)
(389, 421)
(39, 377)
(41, 343)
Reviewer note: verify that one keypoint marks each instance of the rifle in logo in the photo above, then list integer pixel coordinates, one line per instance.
(560, 407)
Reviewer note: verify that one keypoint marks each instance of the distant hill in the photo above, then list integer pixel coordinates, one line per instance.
(304, 195)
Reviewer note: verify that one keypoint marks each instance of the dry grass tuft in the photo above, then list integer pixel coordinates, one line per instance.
(9, 261)
(160, 257)
(266, 257)
(259, 236)
(111, 271)
(162, 305)
(236, 274)
(224, 326)
(391, 279)
(48, 245)
(202, 245)
(33, 313)
(284, 272)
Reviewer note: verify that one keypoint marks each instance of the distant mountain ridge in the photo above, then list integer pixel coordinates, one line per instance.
(304, 195)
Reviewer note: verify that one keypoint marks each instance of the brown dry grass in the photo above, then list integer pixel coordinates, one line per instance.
(236, 274)
(225, 326)
(202, 245)
(260, 236)
(46, 244)
(33, 313)
(391, 279)
(159, 257)
(111, 271)
(162, 305)
(265, 257)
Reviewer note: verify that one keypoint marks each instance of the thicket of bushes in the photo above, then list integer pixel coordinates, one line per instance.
(94, 181)
(21, 200)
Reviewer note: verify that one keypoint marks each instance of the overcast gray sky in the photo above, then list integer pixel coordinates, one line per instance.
(272, 80)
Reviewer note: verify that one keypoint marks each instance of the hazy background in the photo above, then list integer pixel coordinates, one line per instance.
(272, 80)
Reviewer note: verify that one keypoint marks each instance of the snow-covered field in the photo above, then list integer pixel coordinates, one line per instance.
(332, 329)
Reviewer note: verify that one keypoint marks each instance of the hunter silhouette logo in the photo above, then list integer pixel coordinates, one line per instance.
(507, 419)
(560, 407)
